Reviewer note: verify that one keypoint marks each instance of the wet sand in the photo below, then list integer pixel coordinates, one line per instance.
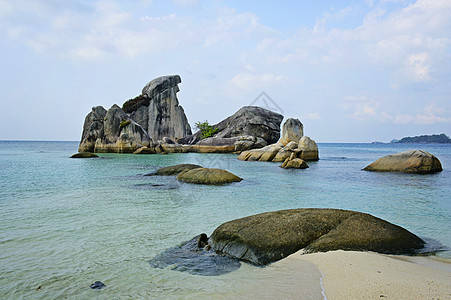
(368, 275)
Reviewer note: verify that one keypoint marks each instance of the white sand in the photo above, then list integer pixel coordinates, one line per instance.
(368, 275)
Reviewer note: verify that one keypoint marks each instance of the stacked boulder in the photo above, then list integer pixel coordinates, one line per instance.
(292, 146)
(141, 121)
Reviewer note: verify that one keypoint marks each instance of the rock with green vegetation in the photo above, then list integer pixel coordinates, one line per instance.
(411, 161)
(121, 134)
(247, 121)
(426, 139)
(268, 237)
(206, 130)
(295, 163)
(208, 176)
(84, 155)
(174, 170)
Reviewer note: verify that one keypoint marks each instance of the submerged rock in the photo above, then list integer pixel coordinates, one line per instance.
(84, 155)
(174, 170)
(412, 161)
(268, 237)
(208, 176)
(192, 257)
(97, 285)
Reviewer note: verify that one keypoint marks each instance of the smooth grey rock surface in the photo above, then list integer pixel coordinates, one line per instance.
(112, 131)
(268, 237)
(248, 121)
(163, 116)
(411, 161)
(92, 129)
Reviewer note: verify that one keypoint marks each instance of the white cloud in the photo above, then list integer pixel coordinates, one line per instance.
(310, 116)
(246, 80)
(428, 115)
(187, 3)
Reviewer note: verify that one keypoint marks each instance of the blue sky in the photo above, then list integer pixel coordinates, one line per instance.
(351, 71)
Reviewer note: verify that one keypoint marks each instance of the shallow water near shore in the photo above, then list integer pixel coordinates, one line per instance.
(66, 223)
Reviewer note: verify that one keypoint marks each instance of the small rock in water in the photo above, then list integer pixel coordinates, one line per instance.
(97, 285)
(202, 240)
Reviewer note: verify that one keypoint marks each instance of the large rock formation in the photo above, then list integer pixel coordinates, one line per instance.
(112, 131)
(152, 116)
(158, 111)
(92, 129)
(292, 130)
(268, 237)
(250, 127)
(412, 161)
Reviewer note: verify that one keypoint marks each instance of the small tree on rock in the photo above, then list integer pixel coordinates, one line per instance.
(206, 129)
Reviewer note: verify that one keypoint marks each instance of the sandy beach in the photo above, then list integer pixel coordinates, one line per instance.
(367, 275)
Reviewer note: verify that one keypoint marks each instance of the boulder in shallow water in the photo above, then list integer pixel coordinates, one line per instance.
(145, 150)
(412, 161)
(208, 176)
(268, 237)
(84, 155)
(309, 149)
(295, 163)
(174, 170)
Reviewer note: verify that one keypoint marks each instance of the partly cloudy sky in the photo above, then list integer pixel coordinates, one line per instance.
(351, 71)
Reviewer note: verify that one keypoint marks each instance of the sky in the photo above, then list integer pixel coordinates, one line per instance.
(351, 71)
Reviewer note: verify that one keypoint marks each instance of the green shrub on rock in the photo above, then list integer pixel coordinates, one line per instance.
(206, 129)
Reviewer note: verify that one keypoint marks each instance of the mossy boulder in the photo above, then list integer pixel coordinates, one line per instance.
(412, 161)
(174, 170)
(268, 237)
(84, 155)
(208, 176)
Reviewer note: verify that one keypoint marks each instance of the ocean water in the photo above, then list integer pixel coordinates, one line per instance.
(66, 223)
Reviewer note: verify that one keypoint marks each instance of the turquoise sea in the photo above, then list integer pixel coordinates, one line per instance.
(66, 223)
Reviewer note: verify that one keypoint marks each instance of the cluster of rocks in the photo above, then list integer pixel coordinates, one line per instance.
(293, 148)
(154, 122)
(250, 127)
(156, 115)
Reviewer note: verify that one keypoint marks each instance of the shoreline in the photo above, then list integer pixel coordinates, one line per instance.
(369, 275)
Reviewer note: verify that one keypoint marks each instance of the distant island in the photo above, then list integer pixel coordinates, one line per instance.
(426, 139)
